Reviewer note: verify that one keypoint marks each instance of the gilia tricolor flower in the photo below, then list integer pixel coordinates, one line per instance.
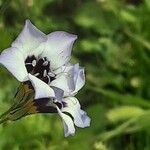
(48, 81)
(66, 100)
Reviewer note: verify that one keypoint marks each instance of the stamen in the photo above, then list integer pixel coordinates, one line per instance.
(44, 73)
(45, 63)
(49, 80)
(28, 63)
(34, 63)
(51, 74)
(36, 74)
(39, 67)
(43, 58)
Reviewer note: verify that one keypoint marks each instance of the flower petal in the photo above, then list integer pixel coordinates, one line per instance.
(76, 78)
(76, 71)
(42, 90)
(58, 48)
(85, 118)
(80, 81)
(69, 128)
(65, 80)
(13, 60)
(29, 39)
(59, 93)
(73, 107)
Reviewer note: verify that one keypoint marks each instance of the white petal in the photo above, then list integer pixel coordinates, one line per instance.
(73, 107)
(58, 48)
(29, 40)
(85, 118)
(80, 81)
(65, 80)
(76, 78)
(59, 93)
(82, 120)
(76, 72)
(13, 60)
(42, 90)
(66, 68)
(69, 128)
(79, 76)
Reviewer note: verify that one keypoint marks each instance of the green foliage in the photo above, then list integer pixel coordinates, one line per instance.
(113, 45)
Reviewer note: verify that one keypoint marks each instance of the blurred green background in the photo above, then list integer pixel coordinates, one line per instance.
(113, 45)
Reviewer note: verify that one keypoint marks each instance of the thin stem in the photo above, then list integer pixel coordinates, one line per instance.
(3, 120)
(123, 98)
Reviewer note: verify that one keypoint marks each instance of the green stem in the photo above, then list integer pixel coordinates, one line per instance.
(2, 120)
(110, 134)
(130, 126)
(125, 99)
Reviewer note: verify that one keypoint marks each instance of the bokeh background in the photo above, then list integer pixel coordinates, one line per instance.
(113, 45)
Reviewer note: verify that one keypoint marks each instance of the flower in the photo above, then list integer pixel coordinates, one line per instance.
(41, 63)
(64, 103)
(38, 54)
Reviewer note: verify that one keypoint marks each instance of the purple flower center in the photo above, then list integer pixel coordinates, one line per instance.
(42, 106)
(39, 68)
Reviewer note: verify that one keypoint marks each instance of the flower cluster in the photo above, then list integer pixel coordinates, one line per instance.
(43, 62)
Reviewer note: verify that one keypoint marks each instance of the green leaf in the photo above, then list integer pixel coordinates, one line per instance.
(123, 113)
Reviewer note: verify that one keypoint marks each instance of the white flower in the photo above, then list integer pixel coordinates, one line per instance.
(43, 60)
(72, 105)
(40, 55)
(65, 103)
